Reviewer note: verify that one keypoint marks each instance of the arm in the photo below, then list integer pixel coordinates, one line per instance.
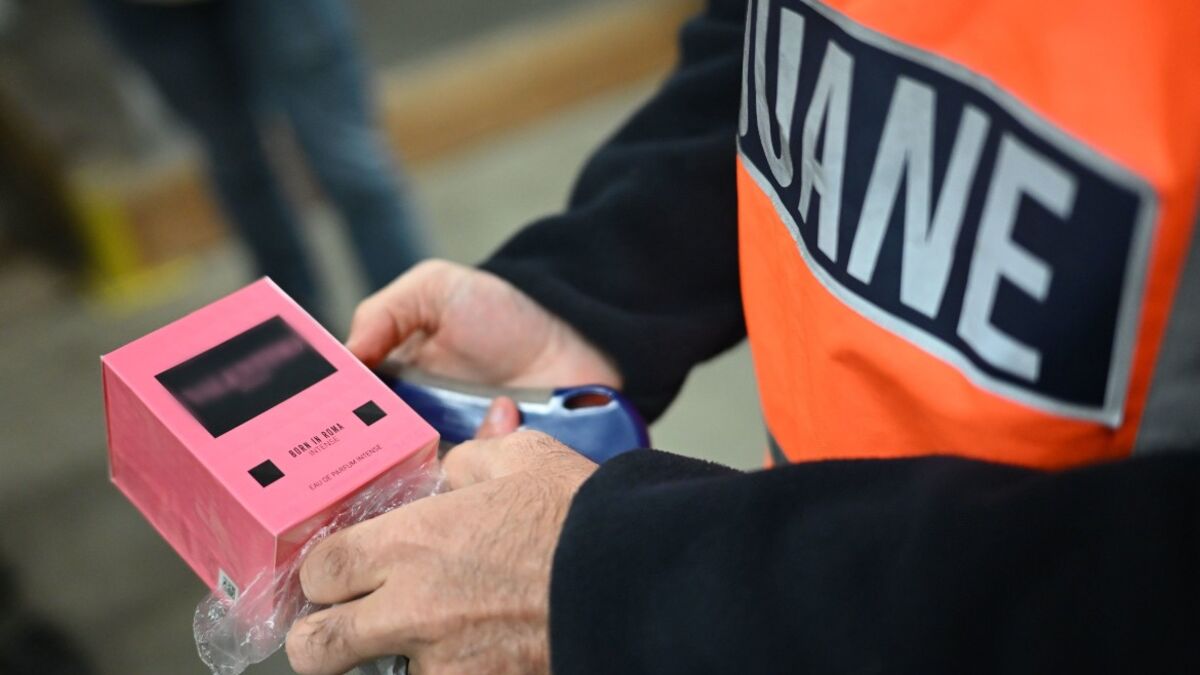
(932, 565)
(644, 260)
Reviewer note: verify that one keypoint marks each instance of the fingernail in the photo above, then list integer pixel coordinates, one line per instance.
(496, 413)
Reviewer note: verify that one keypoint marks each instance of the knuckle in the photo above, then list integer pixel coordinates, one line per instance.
(336, 561)
(327, 639)
(527, 449)
(529, 439)
(297, 651)
(312, 640)
(467, 460)
(431, 267)
(329, 563)
(538, 443)
(363, 310)
(455, 461)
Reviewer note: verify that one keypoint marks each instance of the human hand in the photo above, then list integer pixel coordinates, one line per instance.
(467, 324)
(457, 582)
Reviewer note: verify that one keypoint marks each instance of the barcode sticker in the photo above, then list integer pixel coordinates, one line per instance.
(227, 586)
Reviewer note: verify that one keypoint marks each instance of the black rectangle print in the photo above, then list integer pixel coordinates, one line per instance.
(245, 376)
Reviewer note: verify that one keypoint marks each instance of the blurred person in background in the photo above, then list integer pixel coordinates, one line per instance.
(228, 67)
(962, 241)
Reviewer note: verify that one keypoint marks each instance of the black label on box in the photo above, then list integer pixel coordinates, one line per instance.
(246, 375)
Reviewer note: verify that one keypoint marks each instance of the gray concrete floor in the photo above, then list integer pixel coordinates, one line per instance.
(86, 557)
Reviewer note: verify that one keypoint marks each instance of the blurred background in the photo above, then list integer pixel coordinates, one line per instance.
(125, 168)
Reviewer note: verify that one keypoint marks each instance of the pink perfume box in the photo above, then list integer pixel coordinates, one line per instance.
(243, 427)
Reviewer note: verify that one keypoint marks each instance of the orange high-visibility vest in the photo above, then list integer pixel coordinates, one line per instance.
(963, 224)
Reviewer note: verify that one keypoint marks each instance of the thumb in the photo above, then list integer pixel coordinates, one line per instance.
(473, 462)
(483, 458)
(410, 303)
(503, 417)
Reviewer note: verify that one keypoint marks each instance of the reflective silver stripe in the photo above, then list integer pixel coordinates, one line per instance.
(1172, 417)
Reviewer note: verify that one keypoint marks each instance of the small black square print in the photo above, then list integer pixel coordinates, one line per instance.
(266, 473)
(369, 413)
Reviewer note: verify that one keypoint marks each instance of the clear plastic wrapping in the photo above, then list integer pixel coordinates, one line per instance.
(232, 635)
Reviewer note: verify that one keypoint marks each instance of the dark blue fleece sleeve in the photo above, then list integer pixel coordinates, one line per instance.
(643, 261)
(932, 565)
